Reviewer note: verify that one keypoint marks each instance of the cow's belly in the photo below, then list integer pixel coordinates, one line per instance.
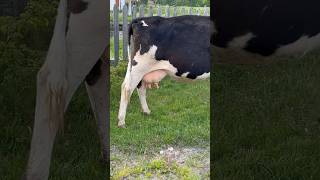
(302, 46)
(235, 53)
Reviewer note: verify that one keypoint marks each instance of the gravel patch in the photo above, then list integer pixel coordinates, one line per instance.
(195, 159)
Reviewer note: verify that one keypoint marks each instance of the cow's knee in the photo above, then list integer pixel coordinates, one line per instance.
(125, 91)
(52, 97)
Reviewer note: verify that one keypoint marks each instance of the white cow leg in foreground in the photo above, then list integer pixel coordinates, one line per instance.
(70, 58)
(48, 118)
(99, 98)
(45, 130)
(142, 92)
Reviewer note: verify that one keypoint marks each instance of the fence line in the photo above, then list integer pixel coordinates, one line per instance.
(140, 11)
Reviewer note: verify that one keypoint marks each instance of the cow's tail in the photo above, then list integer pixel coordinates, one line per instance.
(130, 33)
(130, 29)
(56, 65)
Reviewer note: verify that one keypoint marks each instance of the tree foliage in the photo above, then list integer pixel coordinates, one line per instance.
(23, 42)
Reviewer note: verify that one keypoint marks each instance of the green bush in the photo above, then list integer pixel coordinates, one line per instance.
(23, 43)
(33, 27)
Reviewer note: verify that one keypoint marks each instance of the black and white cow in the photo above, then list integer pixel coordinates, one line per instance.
(252, 31)
(177, 46)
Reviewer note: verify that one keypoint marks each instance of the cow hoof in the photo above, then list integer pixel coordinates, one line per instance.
(121, 125)
(146, 112)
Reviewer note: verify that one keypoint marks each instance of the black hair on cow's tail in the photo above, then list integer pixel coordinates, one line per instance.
(130, 29)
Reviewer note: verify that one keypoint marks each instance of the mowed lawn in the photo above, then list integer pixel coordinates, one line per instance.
(267, 120)
(179, 116)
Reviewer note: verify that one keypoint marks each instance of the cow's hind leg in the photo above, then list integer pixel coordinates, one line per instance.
(97, 88)
(133, 76)
(142, 92)
(50, 107)
(44, 132)
(46, 121)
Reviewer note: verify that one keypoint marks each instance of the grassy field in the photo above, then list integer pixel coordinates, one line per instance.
(179, 118)
(267, 121)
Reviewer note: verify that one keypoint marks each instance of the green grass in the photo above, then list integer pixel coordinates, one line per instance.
(179, 116)
(157, 168)
(267, 120)
(76, 153)
(112, 53)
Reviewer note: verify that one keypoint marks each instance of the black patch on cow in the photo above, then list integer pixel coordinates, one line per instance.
(184, 41)
(274, 23)
(134, 62)
(94, 73)
(77, 6)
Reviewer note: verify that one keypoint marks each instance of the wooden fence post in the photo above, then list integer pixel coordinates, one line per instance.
(183, 11)
(159, 10)
(134, 12)
(175, 11)
(206, 11)
(168, 11)
(116, 34)
(125, 33)
(141, 11)
(150, 11)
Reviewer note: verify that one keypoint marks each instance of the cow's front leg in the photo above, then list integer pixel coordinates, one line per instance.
(130, 82)
(97, 88)
(142, 92)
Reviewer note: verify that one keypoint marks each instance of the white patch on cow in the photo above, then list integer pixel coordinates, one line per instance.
(204, 76)
(144, 23)
(302, 46)
(149, 63)
(240, 42)
(184, 75)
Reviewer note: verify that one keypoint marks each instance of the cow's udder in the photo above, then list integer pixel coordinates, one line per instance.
(154, 77)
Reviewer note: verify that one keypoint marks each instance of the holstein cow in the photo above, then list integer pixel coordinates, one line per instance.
(252, 31)
(177, 46)
(79, 40)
